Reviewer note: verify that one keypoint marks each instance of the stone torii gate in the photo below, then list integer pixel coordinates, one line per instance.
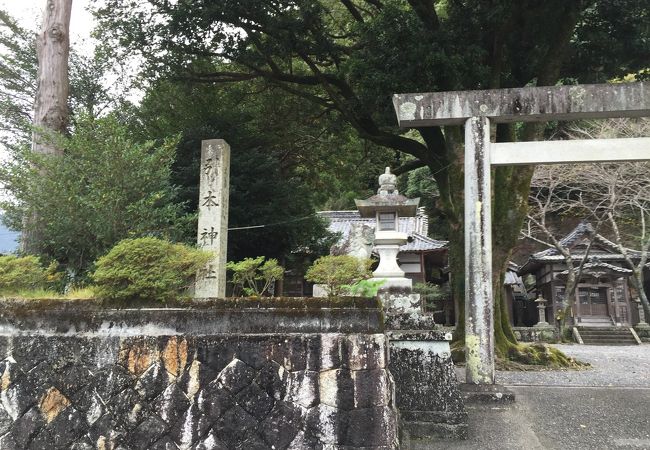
(476, 109)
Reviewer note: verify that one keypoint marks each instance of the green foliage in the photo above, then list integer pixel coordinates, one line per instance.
(25, 273)
(250, 273)
(337, 273)
(433, 296)
(282, 164)
(420, 183)
(105, 188)
(18, 65)
(18, 69)
(364, 288)
(147, 269)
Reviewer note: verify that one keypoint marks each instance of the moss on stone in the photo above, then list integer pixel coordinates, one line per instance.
(297, 303)
(538, 355)
(535, 356)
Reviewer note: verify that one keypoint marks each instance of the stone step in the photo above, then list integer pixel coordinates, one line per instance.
(609, 328)
(606, 336)
(604, 332)
(604, 320)
(608, 340)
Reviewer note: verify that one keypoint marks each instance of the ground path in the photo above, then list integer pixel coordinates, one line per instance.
(605, 407)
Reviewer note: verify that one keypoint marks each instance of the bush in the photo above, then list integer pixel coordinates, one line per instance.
(338, 272)
(147, 269)
(104, 188)
(251, 272)
(26, 273)
(365, 288)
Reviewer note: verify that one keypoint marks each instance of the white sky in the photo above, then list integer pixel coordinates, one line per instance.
(29, 13)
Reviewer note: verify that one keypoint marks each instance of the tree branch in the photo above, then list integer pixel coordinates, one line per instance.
(426, 12)
(409, 166)
(353, 10)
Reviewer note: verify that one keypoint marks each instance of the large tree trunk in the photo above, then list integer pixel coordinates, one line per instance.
(509, 206)
(52, 89)
(511, 186)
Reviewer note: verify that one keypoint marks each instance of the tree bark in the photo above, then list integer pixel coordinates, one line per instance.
(510, 195)
(52, 90)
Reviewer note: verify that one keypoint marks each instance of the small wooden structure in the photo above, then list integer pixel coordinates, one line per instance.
(602, 297)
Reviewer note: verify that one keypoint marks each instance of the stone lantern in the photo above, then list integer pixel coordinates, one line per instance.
(642, 319)
(541, 309)
(386, 208)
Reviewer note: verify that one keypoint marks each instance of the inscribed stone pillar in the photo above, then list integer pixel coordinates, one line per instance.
(212, 234)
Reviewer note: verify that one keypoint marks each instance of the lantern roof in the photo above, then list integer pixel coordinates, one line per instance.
(388, 199)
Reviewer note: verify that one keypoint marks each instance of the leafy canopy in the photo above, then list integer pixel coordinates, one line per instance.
(283, 163)
(106, 187)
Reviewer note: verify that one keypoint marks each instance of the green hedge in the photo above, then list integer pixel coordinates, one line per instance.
(24, 273)
(147, 269)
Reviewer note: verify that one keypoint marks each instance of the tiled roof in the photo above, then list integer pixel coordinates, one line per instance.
(600, 266)
(511, 278)
(582, 231)
(421, 243)
(415, 227)
(602, 249)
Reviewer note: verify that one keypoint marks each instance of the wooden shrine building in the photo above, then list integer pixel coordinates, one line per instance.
(603, 296)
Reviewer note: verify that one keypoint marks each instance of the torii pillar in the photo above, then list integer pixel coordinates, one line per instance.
(476, 109)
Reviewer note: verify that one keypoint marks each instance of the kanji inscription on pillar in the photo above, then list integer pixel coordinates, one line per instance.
(212, 232)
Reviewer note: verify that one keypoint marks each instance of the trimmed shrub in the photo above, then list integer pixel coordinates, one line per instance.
(337, 273)
(147, 269)
(365, 288)
(24, 273)
(251, 273)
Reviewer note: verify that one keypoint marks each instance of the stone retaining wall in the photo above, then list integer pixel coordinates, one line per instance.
(296, 374)
(548, 334)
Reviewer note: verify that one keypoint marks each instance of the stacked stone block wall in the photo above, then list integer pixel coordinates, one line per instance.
(150, 380)
(548, 334)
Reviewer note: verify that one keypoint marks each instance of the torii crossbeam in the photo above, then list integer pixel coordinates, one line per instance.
(476, 109)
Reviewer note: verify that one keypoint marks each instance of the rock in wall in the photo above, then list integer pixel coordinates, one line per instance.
(118, 390)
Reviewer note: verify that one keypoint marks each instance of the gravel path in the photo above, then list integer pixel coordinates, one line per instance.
(612, 366)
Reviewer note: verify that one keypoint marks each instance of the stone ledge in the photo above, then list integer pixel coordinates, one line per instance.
(419, 335)
(442, 417)
(409, 322)
(428, 431)
(19, 317)
(486, 393)
(12, 303)
(548, 334)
